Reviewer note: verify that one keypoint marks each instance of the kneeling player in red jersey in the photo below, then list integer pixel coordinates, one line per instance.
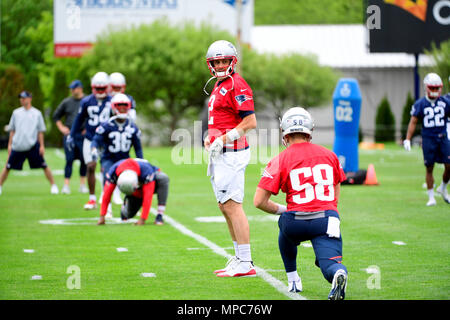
(310, 175)
(138, 179)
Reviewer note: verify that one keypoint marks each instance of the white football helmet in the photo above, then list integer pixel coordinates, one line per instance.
(296, 120)
(221, 49)
(120, 105)
(99, 84)
(128, 182)
(117, 83)
(433, 85)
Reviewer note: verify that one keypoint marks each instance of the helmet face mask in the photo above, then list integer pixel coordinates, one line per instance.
(117, 83)
(433, 85)
(220, 50)
(120, 105)
(128, 182)
(99, 85)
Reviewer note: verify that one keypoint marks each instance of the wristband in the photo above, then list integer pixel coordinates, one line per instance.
(233, 135)
(281, 209)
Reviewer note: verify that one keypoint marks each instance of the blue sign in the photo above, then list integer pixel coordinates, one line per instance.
(347, 108)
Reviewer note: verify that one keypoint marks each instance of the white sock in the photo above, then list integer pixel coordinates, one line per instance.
(444, 187)
(161, 209)
(430, 193)
(244, 252)
(236, 249)
(0, 189)
(292, 276)
(92, 197)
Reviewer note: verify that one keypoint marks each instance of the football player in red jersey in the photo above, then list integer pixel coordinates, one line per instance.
(230, 115)
(310, 176)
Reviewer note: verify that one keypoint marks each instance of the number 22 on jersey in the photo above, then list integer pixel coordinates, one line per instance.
(322, 175)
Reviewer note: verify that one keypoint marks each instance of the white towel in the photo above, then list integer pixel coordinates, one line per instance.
(333, 230)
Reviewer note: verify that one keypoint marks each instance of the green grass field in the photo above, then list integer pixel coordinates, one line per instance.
(373, 217)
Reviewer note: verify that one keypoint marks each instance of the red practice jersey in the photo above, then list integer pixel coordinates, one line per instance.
(308, 174)
(230, 101)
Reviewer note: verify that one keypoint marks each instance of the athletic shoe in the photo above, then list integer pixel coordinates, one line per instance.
(338, 286)
(92, 204)
(228, 265)
(83, 189)
(65, 189)
(443, 193)
(431, 202)
(54, 189)
(295, 286)
(239, 269)
(159, 219)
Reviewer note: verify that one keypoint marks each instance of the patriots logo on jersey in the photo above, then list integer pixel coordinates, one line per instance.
(242, 98)
(223, 91)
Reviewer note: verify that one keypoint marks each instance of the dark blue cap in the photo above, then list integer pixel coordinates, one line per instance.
(76, 84)
(25, 94)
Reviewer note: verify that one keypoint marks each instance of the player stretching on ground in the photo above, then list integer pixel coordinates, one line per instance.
(231, 115)
(135, 178)
(310, 175)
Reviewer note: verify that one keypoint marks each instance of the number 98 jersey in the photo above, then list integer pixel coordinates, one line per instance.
(308, 174)
(433, 116)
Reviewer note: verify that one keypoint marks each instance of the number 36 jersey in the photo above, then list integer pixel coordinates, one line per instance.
(307, 174)
(433, 116)
(117, 139)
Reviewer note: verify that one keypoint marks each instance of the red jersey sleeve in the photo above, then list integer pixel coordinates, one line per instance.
(147, 197)
(271, 177)
(339, 172)
(107, 193)
(242, 95)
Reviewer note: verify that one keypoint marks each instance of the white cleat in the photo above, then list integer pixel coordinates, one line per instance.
(295, 286)
(83, 189)
(239, 269)
(443, 193)
(431, 202)
(54, 189)
(90, 205)
(338, 286)
(65, 189)
(228, 265)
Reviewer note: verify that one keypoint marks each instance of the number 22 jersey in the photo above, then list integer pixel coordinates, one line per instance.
(308, 174)
(433, 116)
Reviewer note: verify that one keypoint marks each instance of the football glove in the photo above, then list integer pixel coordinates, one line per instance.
(216, 147)
(407, 145)
(70, 143)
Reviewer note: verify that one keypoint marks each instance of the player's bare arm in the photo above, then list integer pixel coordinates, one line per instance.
(262, 201)
(41, 143)
(411, 127)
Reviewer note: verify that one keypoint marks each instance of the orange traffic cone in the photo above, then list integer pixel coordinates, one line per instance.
(371, 176)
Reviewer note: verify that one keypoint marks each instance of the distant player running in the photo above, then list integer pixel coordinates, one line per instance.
(94, 109)
(310, 175)
(433, 110)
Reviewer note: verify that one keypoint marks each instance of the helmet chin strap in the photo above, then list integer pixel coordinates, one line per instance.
(229, 76)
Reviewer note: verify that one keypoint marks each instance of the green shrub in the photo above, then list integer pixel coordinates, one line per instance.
(406, 116)
(384, 122)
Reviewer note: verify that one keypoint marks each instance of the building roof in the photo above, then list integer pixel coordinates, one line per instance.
(337, 46)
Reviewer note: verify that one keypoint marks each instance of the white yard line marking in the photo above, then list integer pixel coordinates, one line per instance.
(28, 250)
(277, 284)
(399, 243)
(36, 277)
(148, 275)
(122, 250)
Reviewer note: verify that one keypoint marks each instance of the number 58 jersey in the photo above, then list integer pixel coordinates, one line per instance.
(307, 174)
